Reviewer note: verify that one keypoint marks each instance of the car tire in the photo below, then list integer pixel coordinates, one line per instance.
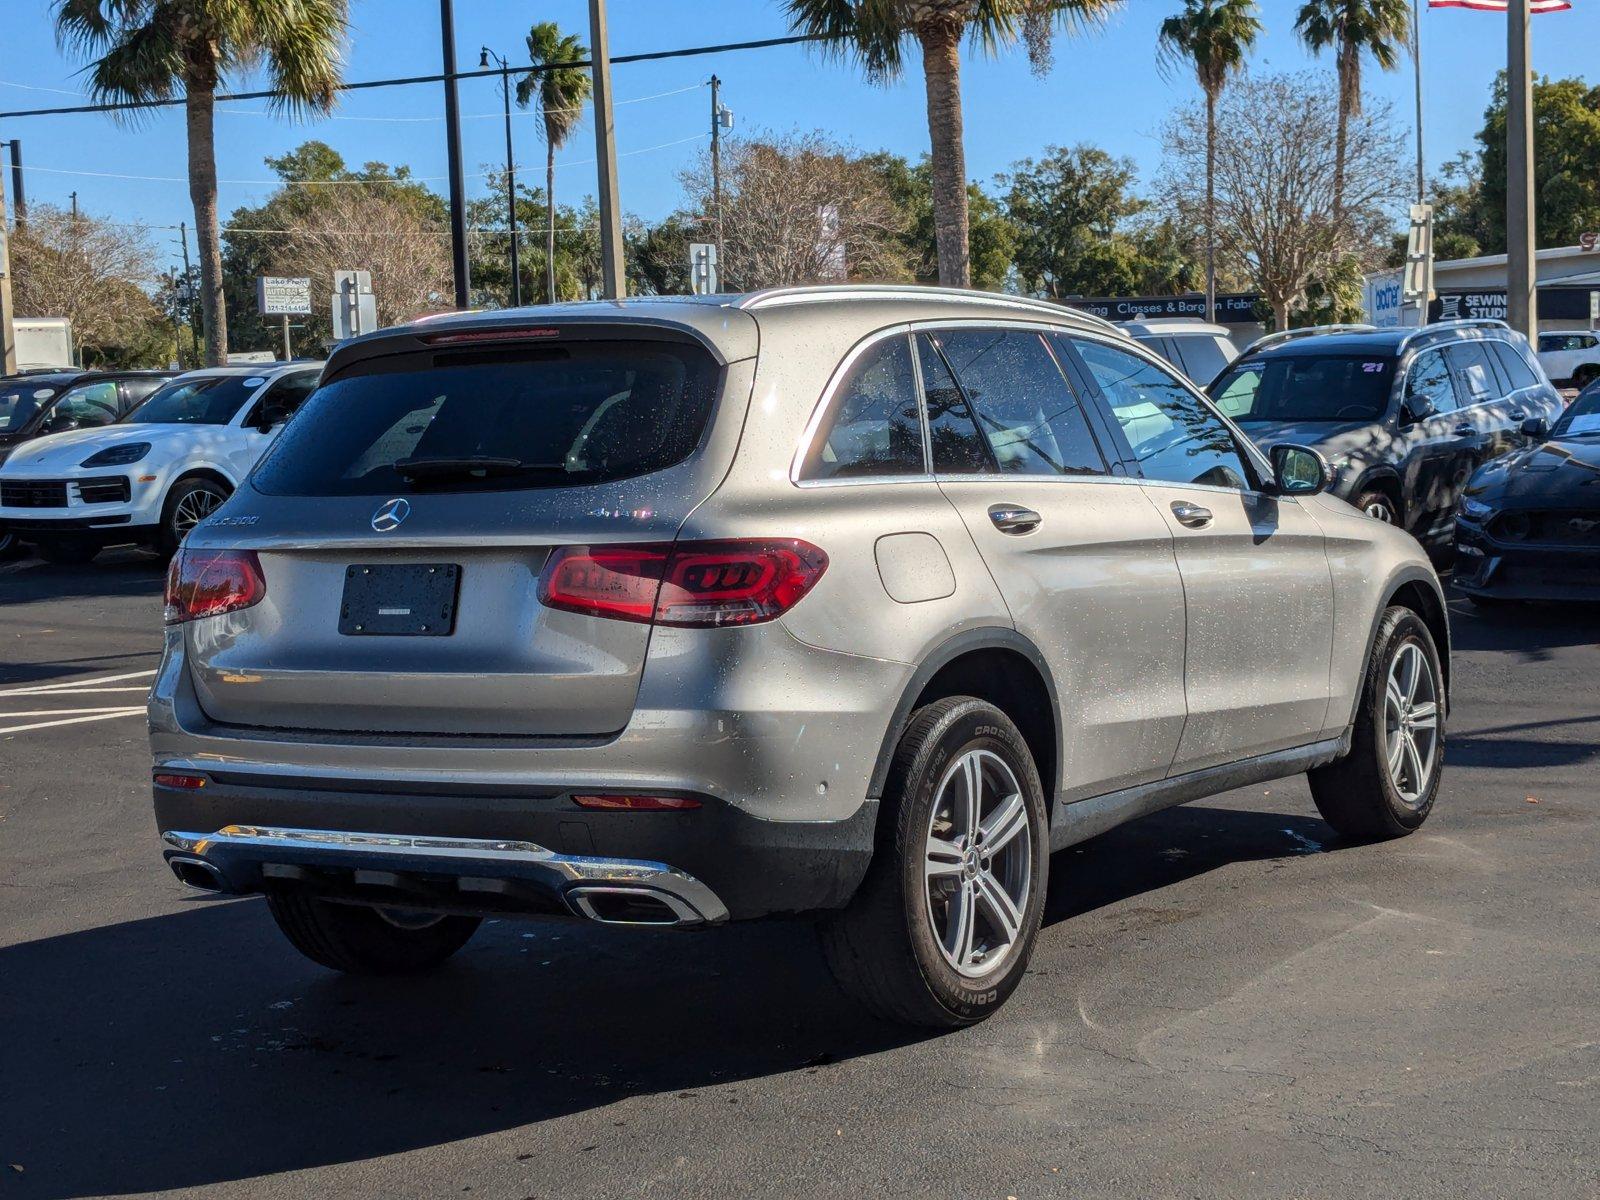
(897, 947)
(188, 503)
(361, 939)
(1381, 789)
(1379, 506)
(10, 547)
(67, 552)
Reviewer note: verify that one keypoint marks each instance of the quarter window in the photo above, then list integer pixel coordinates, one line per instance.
(873, 427)
(1027, 411)
(958, 447)
(1174, 436)
(1514, 366)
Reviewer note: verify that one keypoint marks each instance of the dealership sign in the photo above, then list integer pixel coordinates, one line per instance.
(280, 297)
(1233, 308)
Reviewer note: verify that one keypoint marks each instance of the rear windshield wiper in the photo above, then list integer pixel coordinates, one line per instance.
(458, 466)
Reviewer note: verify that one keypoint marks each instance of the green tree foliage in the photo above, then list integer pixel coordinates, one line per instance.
(1078, 230)
(557, 92)
(991, 234)
(158, 49)
(1566, 165)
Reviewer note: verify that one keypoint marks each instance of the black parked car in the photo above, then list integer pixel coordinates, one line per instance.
(40, 402)
(1529, 525)
(1405, 416)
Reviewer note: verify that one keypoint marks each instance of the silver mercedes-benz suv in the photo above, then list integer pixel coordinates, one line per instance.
(858, 601)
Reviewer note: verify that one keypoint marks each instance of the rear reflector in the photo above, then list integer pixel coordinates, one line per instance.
(638, 803)
(188, 783)
(693, 584)
(208, 583)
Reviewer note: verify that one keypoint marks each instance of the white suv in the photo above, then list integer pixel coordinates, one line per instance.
(155, 474)
(1573, 357)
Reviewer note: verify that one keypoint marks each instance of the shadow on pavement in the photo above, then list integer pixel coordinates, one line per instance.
(197, 1048)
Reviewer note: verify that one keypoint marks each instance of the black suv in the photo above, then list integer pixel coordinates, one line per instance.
(1405, 416)
(40, 402)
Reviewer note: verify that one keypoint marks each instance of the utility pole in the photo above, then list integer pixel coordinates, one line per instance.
(484, 55)
(613, 282)
(716, 160)
(188, 277)
(1416, 70)
(1522, 297)
(8, 332)
(458, 179)
(19, 195)
(74, 206)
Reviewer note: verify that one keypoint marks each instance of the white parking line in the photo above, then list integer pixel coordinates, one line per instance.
(79, 685)
(67, 712)
(107, 716)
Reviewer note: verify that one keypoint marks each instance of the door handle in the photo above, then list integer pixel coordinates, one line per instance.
(1518, 414)
(1191, 515)
(1464, 431)
(1013, 518)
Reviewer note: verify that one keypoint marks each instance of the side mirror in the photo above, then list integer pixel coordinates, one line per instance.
(1416, 408)
(270, 417)
(1299, 470)
(1536, 428)
(62, 424)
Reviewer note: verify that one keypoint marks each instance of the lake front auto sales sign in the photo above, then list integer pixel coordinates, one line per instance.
(277, 296)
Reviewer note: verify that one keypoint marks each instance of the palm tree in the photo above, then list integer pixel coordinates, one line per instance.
(148, 50)
(1211, 37)
(1381, 28)
(558, 92)
(877, 34)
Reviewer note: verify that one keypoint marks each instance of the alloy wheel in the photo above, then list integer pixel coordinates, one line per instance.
(1379, 510)
(1411, 723)
(194, 508)
(978, 863)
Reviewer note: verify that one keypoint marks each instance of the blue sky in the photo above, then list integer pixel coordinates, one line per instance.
(1105, 89)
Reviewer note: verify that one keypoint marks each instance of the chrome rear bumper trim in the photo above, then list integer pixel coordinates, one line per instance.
(237, 850)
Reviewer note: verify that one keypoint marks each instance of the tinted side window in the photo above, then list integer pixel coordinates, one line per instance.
(282, 399)
(1513, 365)
(958, 447)
(91, 404)
(135, 391)
(1174, 436)
(1203, 357)
(873, 427)
(1475, 372)
(1430, 380)
(1024, 405)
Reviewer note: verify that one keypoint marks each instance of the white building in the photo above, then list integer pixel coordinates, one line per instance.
(1568, 280)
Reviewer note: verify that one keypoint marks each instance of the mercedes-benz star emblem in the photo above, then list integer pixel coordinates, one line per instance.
(389, 515)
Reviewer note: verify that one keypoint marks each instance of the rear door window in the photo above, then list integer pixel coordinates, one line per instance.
(1203, 358)
(958, 447)
(1479, 384)
(87, 405)
(497, 420)
(1023, 403)
(872, 427)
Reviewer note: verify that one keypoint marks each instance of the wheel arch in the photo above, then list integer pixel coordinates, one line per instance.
(1387, 480)
(996, 664)
(1418, 590)
(201, 471)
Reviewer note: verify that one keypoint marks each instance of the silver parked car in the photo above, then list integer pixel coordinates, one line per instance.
(855, 601)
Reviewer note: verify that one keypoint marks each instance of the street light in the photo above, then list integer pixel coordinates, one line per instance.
(484, 55)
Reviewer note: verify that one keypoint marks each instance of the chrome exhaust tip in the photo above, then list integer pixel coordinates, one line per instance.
(613, 905)
(198, 874)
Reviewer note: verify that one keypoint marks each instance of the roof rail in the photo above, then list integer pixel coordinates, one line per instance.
(1456, 323)
(776, 297)
(1290, 335)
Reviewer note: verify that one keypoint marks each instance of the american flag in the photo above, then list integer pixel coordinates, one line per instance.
(1538, 6)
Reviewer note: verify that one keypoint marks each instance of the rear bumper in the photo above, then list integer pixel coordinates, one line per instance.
(1485, 567)
(508, 849)
(447, 873)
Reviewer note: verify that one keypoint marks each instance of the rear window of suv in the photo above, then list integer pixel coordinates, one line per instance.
(556, 416)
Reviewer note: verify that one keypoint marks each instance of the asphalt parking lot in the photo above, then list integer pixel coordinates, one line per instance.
(1226, 1001)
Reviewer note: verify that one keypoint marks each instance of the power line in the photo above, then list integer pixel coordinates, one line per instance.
(408, 80)
(262, 112)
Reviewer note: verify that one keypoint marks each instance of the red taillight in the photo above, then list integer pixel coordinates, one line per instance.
(637, 803)
(695, 584)
(208, 583)
(188, 783)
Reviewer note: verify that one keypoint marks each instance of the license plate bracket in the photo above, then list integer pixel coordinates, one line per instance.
(399, 600)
